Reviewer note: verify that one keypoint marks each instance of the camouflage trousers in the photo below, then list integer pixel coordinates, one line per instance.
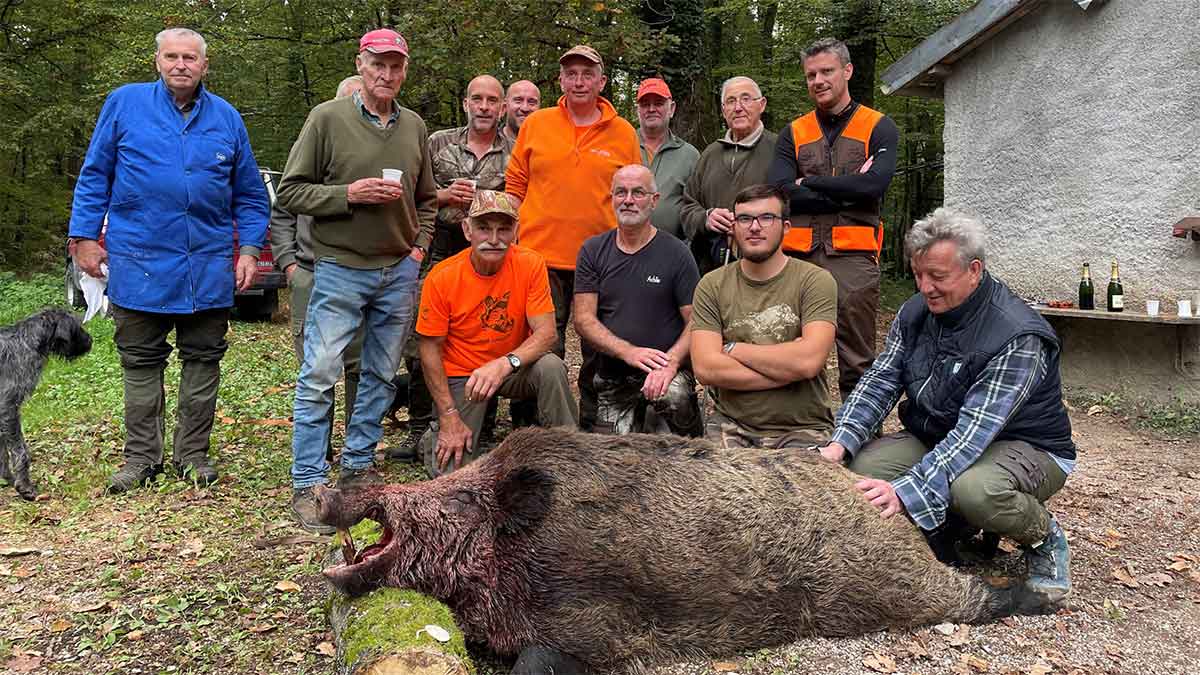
(622, 409)
(728, 433)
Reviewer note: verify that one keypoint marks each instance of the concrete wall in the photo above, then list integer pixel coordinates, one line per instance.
(1075, 136)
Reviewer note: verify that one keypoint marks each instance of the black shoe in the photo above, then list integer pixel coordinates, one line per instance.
(350, 479)
(198, 471)
(304, 508)
(131, 476)
(407, 450)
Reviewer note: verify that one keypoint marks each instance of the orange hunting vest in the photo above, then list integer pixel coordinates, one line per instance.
(857, 230)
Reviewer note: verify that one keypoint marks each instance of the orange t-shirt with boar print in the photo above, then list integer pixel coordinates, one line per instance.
(482, 317)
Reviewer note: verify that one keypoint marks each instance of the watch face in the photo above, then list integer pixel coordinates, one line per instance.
(514, 360)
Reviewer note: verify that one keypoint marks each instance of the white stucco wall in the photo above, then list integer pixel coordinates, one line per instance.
(1074, 136)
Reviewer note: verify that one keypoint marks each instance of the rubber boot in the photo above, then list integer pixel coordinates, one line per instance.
(198, 385)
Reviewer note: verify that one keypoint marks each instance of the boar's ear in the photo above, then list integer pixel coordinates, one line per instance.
(523, 497)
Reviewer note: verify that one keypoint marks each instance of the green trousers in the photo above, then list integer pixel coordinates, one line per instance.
(1003, 491)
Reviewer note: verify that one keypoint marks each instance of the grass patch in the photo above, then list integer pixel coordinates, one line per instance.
(1178, 419)
(163, 579)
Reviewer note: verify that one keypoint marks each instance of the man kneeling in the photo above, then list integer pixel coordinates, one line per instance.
(987, 439)
(486, 327)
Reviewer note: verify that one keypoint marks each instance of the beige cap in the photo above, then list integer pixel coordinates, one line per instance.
(583, 51)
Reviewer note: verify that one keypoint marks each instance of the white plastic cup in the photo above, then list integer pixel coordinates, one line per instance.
(1185, 308)
(1152, 307)
(393, 174)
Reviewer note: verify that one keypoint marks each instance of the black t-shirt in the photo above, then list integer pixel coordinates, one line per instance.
(639, 295)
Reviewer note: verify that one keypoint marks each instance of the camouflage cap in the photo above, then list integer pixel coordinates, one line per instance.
(493, 201)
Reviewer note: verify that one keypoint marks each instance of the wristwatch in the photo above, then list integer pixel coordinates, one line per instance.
(513, 360)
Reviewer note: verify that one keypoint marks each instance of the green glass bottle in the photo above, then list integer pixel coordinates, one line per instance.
(1087, 293)
(1116, 292)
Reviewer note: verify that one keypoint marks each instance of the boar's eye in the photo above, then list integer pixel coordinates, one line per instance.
(463, 502)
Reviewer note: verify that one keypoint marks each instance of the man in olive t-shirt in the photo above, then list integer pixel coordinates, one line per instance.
(762, 329)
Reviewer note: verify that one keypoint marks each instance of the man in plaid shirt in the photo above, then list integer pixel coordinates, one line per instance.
(986, 437)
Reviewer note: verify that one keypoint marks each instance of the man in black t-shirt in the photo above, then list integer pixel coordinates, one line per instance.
(633, 303)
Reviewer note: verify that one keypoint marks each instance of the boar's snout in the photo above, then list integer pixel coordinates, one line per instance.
(334, 509)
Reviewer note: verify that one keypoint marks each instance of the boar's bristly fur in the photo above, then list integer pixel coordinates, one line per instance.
(627, 550)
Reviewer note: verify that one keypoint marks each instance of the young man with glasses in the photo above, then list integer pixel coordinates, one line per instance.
(633, 302)
(762, 329)
(727, 165)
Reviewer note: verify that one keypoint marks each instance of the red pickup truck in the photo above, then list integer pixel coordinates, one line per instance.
(257, 302)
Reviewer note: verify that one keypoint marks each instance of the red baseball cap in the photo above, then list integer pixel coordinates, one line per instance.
(383, 40)
(653, 85)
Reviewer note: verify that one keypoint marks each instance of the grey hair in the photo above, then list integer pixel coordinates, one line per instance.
(345, 84)
(736, 79)
(832, 45)
(180, 32)
(948, 225)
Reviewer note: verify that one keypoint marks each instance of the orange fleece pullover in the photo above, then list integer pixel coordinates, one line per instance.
(564, 179)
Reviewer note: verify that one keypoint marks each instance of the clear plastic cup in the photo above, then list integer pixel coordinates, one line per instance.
(393, 174)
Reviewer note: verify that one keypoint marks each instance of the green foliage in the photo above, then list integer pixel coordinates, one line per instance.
(276, 60)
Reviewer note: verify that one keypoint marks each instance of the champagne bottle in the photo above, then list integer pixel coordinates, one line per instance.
(1087, 292)
(1116, 292)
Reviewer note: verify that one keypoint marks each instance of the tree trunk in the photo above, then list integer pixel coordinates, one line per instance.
(384, 633)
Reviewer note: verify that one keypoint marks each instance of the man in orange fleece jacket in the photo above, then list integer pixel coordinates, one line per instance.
(561, 170)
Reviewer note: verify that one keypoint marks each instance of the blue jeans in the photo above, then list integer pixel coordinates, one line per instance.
(343, 297)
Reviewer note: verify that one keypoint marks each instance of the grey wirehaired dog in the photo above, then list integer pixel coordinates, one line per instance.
(24, 349)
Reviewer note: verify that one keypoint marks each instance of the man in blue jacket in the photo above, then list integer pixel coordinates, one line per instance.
(170, 165)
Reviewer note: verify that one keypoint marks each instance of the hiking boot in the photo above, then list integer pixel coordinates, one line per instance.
(131, 476)
(304, 507)
(407, 450)
(1049, 565)
(351, 479)
(198, 471)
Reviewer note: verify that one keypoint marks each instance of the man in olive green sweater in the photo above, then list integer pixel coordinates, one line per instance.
(369, 234)
(726, 166)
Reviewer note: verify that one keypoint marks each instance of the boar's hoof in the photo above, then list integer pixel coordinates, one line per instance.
(538, 660)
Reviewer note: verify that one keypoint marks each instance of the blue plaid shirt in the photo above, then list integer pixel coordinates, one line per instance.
(1001, 389)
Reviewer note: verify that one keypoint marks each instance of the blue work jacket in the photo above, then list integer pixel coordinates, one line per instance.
(172, 190)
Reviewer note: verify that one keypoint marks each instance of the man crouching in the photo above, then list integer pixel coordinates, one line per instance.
(486, 326)
(986, 436)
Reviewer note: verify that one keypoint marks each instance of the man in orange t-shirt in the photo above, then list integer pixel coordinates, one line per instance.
(486, 327)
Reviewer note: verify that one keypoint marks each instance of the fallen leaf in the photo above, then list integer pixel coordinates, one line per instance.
(14, 551)
(1115, 534)
(261, 628)
(1040, 668)
(192, 548)
(327, 649)
(91, 607)
(24, 664)
(1095, 410)
(1159, 579)
(287, 586)
(273, 422)
(975, 663)
(1179, 565)
(1124, 576)
(1113, 651)
(724, 666)
(961, 636)
(945, 628)
(226, 420)
(880, 663)
(59, 625)
(436, 632)
(916, 650)
(23, 572)
(135, 635)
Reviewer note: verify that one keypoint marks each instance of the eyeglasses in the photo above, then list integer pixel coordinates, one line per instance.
(637, 193)
(763, 219)
(744, 100)
(588, 75)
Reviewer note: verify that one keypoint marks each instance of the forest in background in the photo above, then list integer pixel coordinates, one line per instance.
(276, 59)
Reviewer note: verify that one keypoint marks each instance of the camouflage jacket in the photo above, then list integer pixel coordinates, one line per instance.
(452, 159)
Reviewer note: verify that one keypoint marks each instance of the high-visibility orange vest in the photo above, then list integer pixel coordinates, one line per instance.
(856, 230)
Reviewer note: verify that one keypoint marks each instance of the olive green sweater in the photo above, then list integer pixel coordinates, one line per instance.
(336, 147)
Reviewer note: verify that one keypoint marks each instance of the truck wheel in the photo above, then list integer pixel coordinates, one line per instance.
(256, 307)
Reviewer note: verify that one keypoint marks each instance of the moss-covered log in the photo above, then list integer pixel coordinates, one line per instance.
(383, 632)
